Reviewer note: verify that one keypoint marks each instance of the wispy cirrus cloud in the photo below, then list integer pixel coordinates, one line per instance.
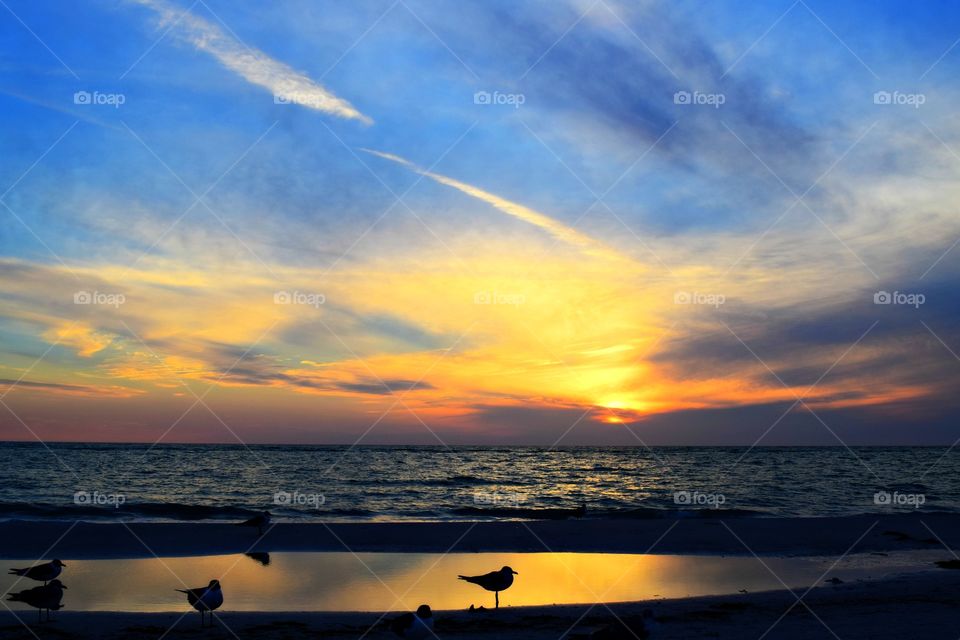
(251, 64)
(8, 385)
(557, 229)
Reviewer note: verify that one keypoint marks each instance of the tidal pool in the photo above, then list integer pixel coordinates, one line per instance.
(402, 581)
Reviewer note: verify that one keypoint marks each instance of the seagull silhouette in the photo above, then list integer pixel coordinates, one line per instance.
(259, 521)
(42, 572)
(205, 598)
(495, 581)
(47, 597)
(414, 625)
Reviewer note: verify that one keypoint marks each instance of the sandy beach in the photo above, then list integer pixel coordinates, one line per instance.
(917, 605)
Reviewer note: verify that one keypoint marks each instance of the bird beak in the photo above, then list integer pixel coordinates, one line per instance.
(515, 573)
(63, 586)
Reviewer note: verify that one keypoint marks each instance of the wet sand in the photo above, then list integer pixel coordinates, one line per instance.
(763, 536)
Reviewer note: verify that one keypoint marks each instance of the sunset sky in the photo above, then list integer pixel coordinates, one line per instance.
(437, 222)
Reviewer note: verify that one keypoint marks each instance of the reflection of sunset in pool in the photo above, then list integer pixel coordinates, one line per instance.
(394, 581)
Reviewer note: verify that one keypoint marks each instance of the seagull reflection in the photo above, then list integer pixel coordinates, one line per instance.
(259, 556)
(48, 597)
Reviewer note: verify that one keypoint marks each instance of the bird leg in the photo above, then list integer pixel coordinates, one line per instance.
(496, 594)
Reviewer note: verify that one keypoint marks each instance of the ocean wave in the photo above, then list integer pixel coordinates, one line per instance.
(142, 510)
(638, 513)
(520, 513)
(453, 481)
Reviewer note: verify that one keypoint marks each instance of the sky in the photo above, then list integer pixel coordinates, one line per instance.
(557, 222)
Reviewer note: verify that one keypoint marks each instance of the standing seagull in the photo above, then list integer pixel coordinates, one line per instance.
(259, 521)
(205, 598)
(495, 581)
(42, 572)
(46, 597)
(414, 625)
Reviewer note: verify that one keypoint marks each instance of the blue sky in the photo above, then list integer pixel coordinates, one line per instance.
(592, 192)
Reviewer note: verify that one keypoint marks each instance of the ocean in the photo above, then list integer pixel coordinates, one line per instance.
(381, 483)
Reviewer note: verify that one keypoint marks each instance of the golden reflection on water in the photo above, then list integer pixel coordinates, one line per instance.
(402, 581)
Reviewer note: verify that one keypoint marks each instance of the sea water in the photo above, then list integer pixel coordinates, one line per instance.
(219, 482)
